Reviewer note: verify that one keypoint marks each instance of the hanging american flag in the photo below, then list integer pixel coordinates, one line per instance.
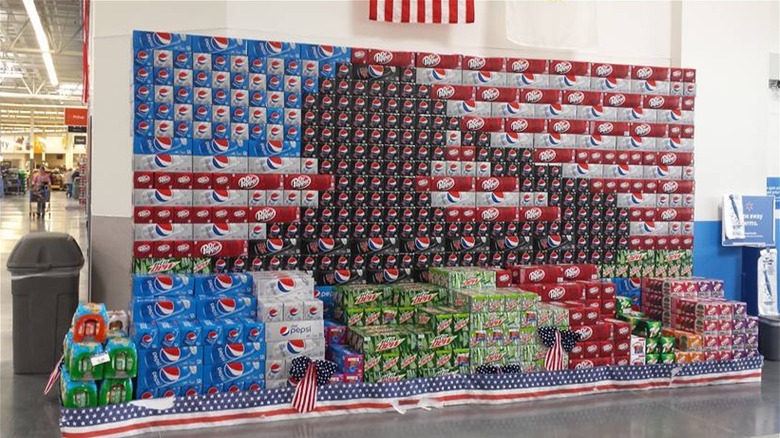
(553, 361)
(422, 11)
(306, 392)
(54, 376)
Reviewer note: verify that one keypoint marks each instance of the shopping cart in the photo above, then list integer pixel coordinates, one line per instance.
(38, 194)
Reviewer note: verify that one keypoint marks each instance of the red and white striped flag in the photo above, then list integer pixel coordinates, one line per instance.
(422, 11)
(305, 396)
(54, 376)
(553, 361)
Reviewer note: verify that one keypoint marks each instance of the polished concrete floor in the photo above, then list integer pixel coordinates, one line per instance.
(748, 410)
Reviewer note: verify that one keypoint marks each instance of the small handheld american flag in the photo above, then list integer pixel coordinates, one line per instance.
(422, 11)
(54, 376)
(305, 397)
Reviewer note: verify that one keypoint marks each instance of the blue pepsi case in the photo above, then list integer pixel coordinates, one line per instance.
(153, 285)
(143, 93)
(201, 113)
(220, 130)
(293, 133)
(163, 76)
(163, 111)
(143, 111)
(232, 371)
(257, 98)
(239, 63)
(292, 67)
(223, 284)
(201, 78)
(220, 96)
(274, 49)
(217, 146)
(239, 114)
(274, 116)
(217, 308)
(169, 356)
(144, 128)
(292, 100)
(325, 53)
(257, 135)
(162, 145)
(190, 333)
(233, 331)
(143, 57)
(163, 93)
(273, 82)
(239, 81)
(220, 62)
(222, 354)
(160, 40)
(143, 75)
(182, 94)
(221, 45)
(163, 309)
(182, 77)
(155, 379)
(275, 148)
(183, 129)
(310, 85)
(182, 59)
(254, 331)
(145, 335)
(213, 332)
(182, 111)
(256, 81)
(256, 64)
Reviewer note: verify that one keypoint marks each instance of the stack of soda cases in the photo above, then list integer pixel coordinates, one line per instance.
(217, 126)
(695, 313)
(293, 318)
(349, 363)
(196, 334)
(92, 352)
(590, 307)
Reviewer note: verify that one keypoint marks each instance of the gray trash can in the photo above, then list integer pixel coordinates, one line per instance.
(769, 337)
(44, 271)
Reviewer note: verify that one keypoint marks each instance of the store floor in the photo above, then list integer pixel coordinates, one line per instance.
(749, 410)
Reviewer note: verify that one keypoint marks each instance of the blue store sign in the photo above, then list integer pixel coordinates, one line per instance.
(759, 221)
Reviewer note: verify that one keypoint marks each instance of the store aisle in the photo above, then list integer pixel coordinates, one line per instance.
(751, 410)
(24, 410)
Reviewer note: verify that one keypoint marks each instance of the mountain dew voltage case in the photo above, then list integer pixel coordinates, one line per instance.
(77, 394)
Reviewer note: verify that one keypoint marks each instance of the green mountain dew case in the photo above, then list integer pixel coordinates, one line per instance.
(123, 358)
(405, 315)
(372, 316)
(361, 295)
(417, 294)
(487, 356)
(381, 339)
(436, 320)
(463, 277)
(477, 300)
(550, 315)
(202, 265)
(461, 323)
(164, 265)
(77, 393)
(518, 300)
(426, 363)
(385, 367)
(115, 391)
(408, 364)
(389, 315)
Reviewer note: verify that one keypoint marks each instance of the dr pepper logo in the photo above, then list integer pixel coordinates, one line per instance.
(383, 57)
(300, 182)
(248, 181)
(445, 184)
(211, 249)
(265, 214)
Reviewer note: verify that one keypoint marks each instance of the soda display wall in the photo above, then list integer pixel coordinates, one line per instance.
(370, 165)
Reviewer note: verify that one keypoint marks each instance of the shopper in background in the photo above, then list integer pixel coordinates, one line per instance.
(68, 182)
(40, 184)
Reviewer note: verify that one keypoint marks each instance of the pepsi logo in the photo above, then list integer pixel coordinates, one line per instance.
(644, 72)
(519, 65)
(476, 63)
(445, 92)
(534, 96)
(617, 100)
(603, 70)
(383, 57)
(431, 60)
(518, 125)
(490, 94)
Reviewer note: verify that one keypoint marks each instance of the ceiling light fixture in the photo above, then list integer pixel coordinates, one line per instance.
(43, 42)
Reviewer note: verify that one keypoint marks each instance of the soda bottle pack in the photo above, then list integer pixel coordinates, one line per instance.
(99, 360)
(366, 165)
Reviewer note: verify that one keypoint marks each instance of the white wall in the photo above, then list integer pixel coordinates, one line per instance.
(729, 44)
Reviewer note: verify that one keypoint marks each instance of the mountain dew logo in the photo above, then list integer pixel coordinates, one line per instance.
(442, 360)
(162, 266)
(372, 318)
(426, 359)
(372, 363)
(495, 322)
(354, 319)
(443, 325)
(367, 297)
(408, 361)
(388, 344)
(498, 356)
(423, 297)
(470, 282)
(391, 363)
(461, 324)
(441, 341)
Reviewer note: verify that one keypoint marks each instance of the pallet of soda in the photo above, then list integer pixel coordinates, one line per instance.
(367, 165)
(202, 334)
(99, 359)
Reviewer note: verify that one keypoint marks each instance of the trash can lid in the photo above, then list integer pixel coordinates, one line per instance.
(42, 251)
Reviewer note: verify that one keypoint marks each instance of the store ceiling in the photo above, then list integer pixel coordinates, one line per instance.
(26, 92)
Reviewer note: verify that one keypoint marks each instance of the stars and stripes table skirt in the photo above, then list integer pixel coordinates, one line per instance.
(186, 413)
